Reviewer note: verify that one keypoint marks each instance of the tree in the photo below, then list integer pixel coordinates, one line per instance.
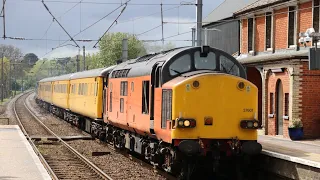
(11, 52)
(30, 59)
(111, 48)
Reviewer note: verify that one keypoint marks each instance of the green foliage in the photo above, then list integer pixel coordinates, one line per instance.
(111, 48)
(295, 123)
(158, 47)
(30, 59)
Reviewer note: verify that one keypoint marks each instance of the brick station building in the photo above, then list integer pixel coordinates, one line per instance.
(278, 64)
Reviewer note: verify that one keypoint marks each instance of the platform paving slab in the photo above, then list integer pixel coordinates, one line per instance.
(17, 158)
(299, 149)
(291, 159)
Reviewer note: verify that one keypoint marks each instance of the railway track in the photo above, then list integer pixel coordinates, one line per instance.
(59, 158)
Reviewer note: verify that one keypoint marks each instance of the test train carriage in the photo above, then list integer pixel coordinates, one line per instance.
(169, 107)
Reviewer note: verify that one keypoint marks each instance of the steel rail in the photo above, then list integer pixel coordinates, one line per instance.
(46, 165)
(75, 152)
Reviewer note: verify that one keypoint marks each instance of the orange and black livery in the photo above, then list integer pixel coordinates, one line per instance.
(173, 108)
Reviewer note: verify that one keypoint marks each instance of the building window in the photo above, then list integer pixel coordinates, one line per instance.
(124, 88)
(316, 15)
(250, 34)
(145, 97)
(121, 105)
(291, 26)
(286, 104)
(268, 29)
(271, 103)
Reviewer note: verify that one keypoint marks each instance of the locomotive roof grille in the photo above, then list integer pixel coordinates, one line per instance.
(145, 58)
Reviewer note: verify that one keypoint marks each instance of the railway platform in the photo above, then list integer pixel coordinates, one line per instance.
(291, 159)
(17, 158)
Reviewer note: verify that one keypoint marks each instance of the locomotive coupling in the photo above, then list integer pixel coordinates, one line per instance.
(189, 147)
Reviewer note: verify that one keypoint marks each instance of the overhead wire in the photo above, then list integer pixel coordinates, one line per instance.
(142, 17)
(88, 27)
(108, 3)
(2, 9)
(59, 24)
(149, 30)
(94, 46)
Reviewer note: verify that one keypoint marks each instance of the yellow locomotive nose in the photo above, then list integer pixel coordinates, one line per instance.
(218, 103)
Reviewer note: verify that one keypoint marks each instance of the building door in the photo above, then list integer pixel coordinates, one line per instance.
(279, 106)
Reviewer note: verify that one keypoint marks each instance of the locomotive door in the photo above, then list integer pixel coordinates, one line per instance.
(155, 79)
(105, 97)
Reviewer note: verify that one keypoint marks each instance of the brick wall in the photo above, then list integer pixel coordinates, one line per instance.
(305, 18)
(271, 88)
(254, 76)
(260, 34)
(244, 37)
(281, 29)
(310, 104)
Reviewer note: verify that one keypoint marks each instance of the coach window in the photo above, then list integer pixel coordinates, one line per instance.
(80, 89)
(96, 89)
(180, 65)
(145, 97)
(208, 62)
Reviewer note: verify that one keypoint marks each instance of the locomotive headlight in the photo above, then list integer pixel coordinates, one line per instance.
(249, 124)
(180, 123)
(255, 124)
(186, 123)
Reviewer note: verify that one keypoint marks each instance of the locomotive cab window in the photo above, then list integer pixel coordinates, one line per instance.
(208, 62)
(196, 59)
(180, 65)
(228, 66)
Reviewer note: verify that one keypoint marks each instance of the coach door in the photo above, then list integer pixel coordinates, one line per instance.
(155, 81)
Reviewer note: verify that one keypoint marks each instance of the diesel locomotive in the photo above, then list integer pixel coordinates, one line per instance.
(172, 107)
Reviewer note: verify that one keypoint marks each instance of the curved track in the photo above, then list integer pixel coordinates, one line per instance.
(59, 158)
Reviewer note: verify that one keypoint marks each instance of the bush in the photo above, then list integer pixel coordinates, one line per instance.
(295, 123)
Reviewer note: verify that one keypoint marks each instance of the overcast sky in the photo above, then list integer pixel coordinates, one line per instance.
(29, 19)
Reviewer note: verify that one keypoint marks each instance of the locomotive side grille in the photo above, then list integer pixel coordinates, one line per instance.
(166, 107)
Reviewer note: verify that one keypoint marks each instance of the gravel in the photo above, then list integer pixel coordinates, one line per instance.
(57, 125)
(8, 113)
(31, 125)
(114, 164)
